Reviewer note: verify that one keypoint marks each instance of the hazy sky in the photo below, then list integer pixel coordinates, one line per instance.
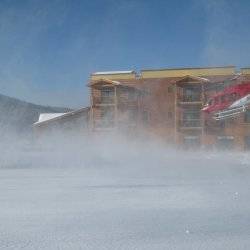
(48, 48)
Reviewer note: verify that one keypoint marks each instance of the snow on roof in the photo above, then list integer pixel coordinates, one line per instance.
(113, 72)
(194, 77)
(203, 79)
(47, 116)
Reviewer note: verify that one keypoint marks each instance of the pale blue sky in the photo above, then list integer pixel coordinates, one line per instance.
(48, 48)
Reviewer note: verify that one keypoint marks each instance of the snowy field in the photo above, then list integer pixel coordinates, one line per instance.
(126, 200)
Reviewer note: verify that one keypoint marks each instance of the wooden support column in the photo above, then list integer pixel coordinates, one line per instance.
(202, 115)
(91, 122)
(175, 116)
(116, 108)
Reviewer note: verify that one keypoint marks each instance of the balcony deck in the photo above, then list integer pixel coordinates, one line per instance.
(100, 101)
(190, 124)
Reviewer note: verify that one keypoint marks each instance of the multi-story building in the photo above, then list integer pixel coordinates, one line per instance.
(116, 103)
(167, 104)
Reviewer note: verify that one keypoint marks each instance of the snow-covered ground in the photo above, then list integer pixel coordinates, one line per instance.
(125, 200)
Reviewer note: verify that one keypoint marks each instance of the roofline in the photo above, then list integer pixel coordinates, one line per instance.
(113, 73)
(112, 82)
(103, 80)
(202, 79)
(62, 116)
(216, 67)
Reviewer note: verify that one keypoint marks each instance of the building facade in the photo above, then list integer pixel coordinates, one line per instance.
(116, 106)
(166, 104)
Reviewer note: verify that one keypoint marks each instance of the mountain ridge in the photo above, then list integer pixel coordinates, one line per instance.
(18, 116)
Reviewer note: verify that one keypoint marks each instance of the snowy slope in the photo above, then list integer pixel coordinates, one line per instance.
(126, 199)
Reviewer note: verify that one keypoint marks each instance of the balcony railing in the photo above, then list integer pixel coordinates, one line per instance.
(127, 101)
(190, 98)
(104, 123)
(103, 100)
(190, 123)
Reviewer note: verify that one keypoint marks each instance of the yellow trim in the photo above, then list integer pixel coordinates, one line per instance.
(245, 71)
(185, 72)
(113, 76)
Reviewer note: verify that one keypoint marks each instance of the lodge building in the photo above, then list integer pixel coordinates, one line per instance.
(166, 104)
(163, 104)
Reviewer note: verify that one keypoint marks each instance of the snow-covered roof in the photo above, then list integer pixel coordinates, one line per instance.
(48, 116)
(203, 79)
(198, 78)
(113, 72)
(117, 83)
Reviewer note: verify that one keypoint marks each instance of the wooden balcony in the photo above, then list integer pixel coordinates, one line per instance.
(123, 101)
(105, 124)
(103, 101)
(190, 124)
(190, 99)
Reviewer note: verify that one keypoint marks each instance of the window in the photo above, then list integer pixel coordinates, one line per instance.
(221, 124)
(225, 142)
(191, 114)
(106, 117)
(247, 142)
(145, 117)
(107, 95)
(170, 89)
(247, 116)
(191, 118)
(132, 114)
(191, 142)
(170, 115)
(132, 95)
(192, 94)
